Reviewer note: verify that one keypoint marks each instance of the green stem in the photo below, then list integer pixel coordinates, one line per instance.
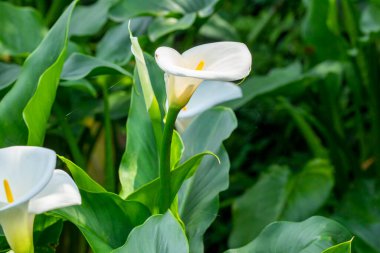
(164, 201)
(70, 138)
(109, 164)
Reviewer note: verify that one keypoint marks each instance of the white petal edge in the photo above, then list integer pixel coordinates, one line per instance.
(209, 94)
(28, 170)
(60, 192)
(224, 61)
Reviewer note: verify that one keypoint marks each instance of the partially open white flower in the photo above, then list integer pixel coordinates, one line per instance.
(221, 61)
(207, 95)
(30, 186)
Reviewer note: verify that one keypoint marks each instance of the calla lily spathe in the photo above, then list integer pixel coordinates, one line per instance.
(30, 186)
(207, 95)
(221, 61)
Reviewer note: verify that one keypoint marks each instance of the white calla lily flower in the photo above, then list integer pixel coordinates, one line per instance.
(30, 186)
(221, 61)
(207, 95)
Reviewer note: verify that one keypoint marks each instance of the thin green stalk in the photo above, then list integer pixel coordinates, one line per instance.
(164, 201)
(109, 163)
(70, 138)
(54, 11)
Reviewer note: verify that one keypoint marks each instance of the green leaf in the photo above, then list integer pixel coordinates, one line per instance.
(370, 19)
(148, 194)
(280, 195)
(8, 74)
(80, 84)
(176, 150)
(218, 28)
(278, 81)
(40, 72)
(124, 10)
(198, 197)
(160, 233)
(21, 29)
(88, 20)
(47, 231)
(78, 66)
(140, 140)
(164, 25)
(115, 46)
(323, 42)
(310, 236)
(359, 211)
(344, 247)
(82, 180)
(104, 219)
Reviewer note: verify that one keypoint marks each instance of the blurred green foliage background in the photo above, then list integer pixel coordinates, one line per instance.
(308, 140)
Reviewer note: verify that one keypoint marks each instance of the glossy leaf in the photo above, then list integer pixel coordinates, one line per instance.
(359, 211)
(78, 66)
(280, 195)
(115, 46)
(21, 29)
(124, 10)
(310, 236)
(198, 198)
(81, 178)
(80, 84)
(148, 194)
(323, 42)
(88, 20)
(344, 247)
(8, 74)
(140, 140)
(218, 28)
(164, 25)
(370, 19)
(40, 71)
(277, 81)
(104, 228)
(160, 233)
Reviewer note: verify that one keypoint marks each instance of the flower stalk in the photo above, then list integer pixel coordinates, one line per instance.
(164, 164)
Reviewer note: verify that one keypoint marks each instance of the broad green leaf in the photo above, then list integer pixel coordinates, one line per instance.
(148, 194)
(159, 234)
(78, 66)
(370, 19)
(82, 180)
(162, 26)
(344, 247)
(140, 134)
(115, 46)
(323, 43)
(359, 211)
(80, 84)
(40, 71)
(8, 74)
(280, 195)
(310, 236)
(198, 199)
(104, 219)
(124, 9)
(176, 151)
(47, 231)
(136, 170)
(88, 20)
(218, 28)
(278, 81)
(21, 29)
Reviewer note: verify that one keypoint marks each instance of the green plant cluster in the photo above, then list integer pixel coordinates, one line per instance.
(297, 167)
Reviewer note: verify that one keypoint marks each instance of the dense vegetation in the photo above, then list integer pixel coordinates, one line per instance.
(305, 142)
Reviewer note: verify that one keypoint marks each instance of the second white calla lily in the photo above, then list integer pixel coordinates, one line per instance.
(221, 61)
(30, 186)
